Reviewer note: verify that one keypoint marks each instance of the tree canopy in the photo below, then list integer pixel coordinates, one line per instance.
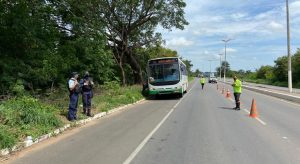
(42, 42)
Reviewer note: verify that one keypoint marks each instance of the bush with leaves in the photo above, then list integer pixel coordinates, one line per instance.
(27, 116)
(7, 139)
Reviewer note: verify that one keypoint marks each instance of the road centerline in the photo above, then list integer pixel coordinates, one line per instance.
(146, 139)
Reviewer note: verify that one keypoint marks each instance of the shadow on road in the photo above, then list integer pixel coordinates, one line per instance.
(227, 108)
(163, 97)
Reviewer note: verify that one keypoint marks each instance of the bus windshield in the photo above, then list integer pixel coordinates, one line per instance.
(164, 73)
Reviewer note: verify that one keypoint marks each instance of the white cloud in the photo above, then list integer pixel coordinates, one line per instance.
(179, 42)
(274, 26)
(257, 27)
(231, 50)
(237, 16)
(294, 8)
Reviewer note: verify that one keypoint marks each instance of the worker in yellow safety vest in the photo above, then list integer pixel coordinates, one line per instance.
(202, 81)
(237, 91)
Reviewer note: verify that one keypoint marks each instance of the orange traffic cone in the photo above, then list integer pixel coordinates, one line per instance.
(228, 94)
(253, 112)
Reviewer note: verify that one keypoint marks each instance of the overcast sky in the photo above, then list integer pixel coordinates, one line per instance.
(257, 27)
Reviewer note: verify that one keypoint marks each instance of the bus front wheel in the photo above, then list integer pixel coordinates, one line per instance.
(180, 94)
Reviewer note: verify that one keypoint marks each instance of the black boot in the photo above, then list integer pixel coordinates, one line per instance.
(238, 106)
(89, 113)
(84, 111)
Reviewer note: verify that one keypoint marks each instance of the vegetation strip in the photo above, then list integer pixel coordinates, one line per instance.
(29, 141)
(27, 118)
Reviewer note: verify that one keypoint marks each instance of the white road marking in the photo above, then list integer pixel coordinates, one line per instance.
(261, 121)
(288, 102)
(258, 119)
(144, 142)
(247, 111)
(274, 92)
(277, 98)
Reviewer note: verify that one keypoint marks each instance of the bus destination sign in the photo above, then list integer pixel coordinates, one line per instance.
(164, 61)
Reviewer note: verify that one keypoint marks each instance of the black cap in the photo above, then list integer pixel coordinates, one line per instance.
(74, 74)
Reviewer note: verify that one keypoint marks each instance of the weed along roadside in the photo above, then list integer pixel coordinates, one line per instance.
(25, 120)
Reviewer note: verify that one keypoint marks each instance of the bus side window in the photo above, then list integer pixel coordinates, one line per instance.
(183, 69)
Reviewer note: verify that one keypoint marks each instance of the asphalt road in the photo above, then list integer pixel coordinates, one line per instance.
(200, 128)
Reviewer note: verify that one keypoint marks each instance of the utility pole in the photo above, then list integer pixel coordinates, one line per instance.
(209, 67)
(220, 66)
(290, 81)
(225, 41)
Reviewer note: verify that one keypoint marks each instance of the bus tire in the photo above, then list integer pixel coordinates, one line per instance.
(180, 95)
(185, 91)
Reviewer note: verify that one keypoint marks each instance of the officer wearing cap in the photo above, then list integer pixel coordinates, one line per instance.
(87, 93)
(237, 91)
(74, 91)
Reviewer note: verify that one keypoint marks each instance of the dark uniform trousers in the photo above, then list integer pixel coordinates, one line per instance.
(73, 106)
(237, 99)
(86, 99)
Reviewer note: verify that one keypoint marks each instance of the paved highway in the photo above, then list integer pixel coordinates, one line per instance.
(199, 128)
(296, 92)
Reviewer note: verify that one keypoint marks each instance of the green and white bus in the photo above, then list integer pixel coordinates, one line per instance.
(167, 76)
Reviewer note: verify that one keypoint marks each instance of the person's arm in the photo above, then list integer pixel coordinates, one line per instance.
(72, 84)
(233, 84)
(238, 84)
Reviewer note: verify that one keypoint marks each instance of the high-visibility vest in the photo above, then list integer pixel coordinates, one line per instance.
(202, 80)
(237, 88)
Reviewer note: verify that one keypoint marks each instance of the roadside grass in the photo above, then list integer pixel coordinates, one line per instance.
(27, 116)
(191, 78)
(115, 96)
(269, 82)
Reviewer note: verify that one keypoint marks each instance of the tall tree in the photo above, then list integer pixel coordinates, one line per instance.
(188, 64)
(131, 24)
(228, 70)
(281, 69)
(296, 67)
(43, 41)
(265, 72)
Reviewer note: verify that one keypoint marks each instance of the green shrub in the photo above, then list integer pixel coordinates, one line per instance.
(297, 85)
(27, 110)
(26, 116)
(112, 85)
(18, 88)
(7, 139)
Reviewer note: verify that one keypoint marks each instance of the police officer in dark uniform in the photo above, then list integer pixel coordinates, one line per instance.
(74, 91)
(87, 93)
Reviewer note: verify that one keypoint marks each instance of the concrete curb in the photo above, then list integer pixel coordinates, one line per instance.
(30, 141)
(284, 96)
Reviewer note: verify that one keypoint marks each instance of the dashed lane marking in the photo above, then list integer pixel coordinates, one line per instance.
(144, 142)
(248, 112)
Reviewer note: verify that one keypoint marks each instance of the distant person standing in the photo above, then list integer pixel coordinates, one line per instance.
(87, 93)
(74, 91)
(202, 81)
(237, 91)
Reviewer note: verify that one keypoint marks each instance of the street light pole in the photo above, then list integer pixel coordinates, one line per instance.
(225, 41)
(209, 67)
(290, 82)
(220, 66)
